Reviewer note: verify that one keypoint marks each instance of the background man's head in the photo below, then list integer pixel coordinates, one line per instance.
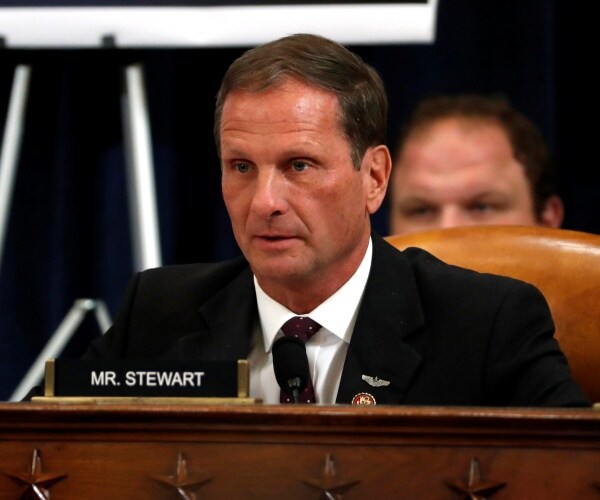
(468, 160)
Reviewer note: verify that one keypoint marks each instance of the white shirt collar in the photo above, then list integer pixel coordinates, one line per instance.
(337, 314)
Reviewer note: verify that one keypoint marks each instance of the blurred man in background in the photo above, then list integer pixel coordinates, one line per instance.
(471, 160)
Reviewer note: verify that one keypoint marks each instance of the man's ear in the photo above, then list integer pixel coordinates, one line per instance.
(553, 212)
(376, 166)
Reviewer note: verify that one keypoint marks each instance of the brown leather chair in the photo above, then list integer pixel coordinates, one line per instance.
(563, 264)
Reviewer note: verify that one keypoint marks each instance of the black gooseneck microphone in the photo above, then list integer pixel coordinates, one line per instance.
(291, 365)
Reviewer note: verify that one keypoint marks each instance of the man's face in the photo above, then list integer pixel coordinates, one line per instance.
(298, 207)
(458, 172)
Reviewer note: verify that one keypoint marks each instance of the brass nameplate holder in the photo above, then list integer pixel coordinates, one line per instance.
(146, 381)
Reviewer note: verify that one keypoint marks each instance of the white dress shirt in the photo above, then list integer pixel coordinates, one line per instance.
(326, 350)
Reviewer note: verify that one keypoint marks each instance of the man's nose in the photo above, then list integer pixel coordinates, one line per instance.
(452, 216)
(269, 193)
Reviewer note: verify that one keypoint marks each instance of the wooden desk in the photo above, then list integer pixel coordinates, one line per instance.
(297, 452)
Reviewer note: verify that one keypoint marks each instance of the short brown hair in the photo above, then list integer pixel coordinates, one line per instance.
(322, 62)
(528, 145)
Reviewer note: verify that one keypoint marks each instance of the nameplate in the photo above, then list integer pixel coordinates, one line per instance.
(146, 379)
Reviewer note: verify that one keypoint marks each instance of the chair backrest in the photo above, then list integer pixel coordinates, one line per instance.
(563, 264)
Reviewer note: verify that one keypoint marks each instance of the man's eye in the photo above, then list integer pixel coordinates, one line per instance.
(299, 166)
(481, 207)
(242, 168)
(418, 212)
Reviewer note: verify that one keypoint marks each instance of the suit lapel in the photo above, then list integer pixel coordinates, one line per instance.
(389, 312)
(229, 317)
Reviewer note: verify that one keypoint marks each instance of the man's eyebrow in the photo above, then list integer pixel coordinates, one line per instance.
(412, 200)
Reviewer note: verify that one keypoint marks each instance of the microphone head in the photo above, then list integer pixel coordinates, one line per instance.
(290, 362)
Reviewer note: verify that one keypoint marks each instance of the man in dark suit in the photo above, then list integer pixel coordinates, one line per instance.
(300, 126)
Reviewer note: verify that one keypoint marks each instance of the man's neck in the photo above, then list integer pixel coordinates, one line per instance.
(304, 295)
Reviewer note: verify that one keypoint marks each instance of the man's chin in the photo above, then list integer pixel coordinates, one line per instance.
(279, 269)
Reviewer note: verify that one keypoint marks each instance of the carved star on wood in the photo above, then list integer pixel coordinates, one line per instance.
(328, 484)
(475, 488)
(37, 483)
(184, 483)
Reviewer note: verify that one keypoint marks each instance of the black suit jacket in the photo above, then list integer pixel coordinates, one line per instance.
(442, 335)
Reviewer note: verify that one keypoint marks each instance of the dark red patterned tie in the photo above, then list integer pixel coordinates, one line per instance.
(303, 328)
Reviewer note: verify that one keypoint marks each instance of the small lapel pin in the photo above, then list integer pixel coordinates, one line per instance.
(375, 381)
(363, 398)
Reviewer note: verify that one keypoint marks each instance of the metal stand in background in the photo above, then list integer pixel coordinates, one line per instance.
(11, 144)
(142, 202)
(140, 171)
(59, 340)
(140, 168)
